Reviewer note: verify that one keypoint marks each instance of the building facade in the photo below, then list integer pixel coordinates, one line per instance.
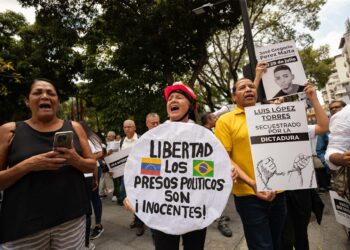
(338, 84)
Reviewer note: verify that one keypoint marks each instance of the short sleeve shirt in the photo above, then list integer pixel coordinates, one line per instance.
(231, 129)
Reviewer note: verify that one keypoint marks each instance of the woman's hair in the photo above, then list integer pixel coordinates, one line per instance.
(192, 116)
(92, 136)
(29, 86)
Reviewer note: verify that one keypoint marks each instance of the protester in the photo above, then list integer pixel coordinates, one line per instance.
(300, 203)
(208, 121)
(262, 213)
(152, 120)
(129, 141)
(45, 198)
(113, 146)
(181, 104)
(324, 174)
(338, 150)
(95, 144)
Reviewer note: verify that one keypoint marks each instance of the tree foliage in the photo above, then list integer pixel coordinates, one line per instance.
(124, 52)
(44, 49)
(317, 64)
(271, 22)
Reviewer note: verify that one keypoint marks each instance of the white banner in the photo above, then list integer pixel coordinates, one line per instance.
(279, 57)
(116, 162)
(178, 178)
(280, 146)
(341, 208)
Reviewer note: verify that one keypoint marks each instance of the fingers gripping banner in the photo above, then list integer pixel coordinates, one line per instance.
(178, 178)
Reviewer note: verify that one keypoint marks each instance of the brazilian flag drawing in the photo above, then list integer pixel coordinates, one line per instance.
(203, 168)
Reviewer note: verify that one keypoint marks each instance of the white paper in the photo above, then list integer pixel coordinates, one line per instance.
(280, 146)
(116, 162)
(284, 53)
(180, 192)
(341, 208)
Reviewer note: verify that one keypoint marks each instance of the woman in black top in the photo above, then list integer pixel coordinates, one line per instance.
(43, 189)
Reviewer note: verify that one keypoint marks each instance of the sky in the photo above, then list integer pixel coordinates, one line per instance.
(332, 17)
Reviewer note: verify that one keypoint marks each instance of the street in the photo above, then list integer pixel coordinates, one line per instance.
(117, 235)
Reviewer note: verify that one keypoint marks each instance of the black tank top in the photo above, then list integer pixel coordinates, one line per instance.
(42, 199)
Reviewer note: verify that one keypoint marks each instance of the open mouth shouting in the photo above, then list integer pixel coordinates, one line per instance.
(249, 97)
(45, 106)
(174, 108)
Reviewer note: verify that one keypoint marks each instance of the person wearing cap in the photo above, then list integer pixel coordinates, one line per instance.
(181, 104)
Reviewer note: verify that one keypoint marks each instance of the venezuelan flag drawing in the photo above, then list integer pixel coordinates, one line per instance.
(203, 168)
(150, 166)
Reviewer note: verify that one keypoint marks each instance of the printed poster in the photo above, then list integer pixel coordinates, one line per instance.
(116, 162)
(285, 74)
(280, 146)
(341, 208)
(178, 178)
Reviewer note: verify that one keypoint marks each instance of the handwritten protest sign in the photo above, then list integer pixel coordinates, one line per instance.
(116, 162)
(280, 146)
(178, 178)
(341, 208)
(285, 73)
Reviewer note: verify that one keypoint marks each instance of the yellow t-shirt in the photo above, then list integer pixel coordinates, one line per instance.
(231, 129)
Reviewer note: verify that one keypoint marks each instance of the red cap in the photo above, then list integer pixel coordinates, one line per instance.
(180, 87)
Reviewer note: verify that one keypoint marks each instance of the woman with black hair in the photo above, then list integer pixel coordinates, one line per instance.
(95, 144)
(45, 200)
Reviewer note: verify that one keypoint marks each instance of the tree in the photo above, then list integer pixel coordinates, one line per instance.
(137, 45)
(44, 49)
(317, 64)
(271, 21)
(11, 80)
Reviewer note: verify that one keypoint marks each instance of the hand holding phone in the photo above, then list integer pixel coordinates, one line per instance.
(63, 139)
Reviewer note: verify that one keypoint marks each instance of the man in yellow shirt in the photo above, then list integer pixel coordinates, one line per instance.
(262, 213)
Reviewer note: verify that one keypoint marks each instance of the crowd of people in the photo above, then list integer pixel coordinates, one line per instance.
(60, 186)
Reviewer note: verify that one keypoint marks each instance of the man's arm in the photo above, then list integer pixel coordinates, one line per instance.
(267, 196)
(340, 159)
(259, 71)
(322, 125)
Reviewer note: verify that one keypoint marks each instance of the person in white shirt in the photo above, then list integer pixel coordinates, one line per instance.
(129, 141)
(106, 176)
(338, 150)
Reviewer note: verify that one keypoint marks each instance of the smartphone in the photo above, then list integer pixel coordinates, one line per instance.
(63, 139)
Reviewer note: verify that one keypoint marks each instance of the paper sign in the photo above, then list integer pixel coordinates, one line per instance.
(285, 73)
(280, 146)
(178, 178)
(116, 162)
(341, 208)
